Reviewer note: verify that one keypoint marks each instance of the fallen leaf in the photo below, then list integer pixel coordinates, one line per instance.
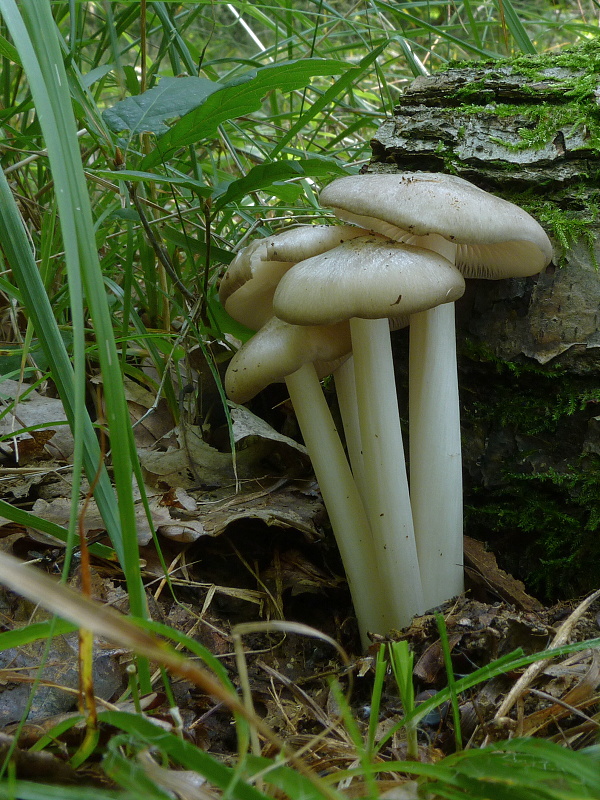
(482, 568)
(33, 409)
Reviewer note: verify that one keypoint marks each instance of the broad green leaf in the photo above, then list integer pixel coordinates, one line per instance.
(238, 98)
(226, 324)
(148, 112)
(352, 77)
(135, 176)
(288, 192)
(196, 246)
(265, 175)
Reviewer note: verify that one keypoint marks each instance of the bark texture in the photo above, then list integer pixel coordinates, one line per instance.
(527, 130)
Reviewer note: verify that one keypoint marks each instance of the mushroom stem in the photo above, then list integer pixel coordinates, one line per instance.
(435, 453)
(344, 506)
(435, 446)
(345, 388)
(388, 503)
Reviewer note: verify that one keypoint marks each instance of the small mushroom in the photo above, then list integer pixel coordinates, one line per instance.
(280, 351)
(369, 281)
(247, 288)
(485, 237)
(306, 241)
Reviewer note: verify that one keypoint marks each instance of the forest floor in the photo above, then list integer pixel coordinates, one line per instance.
(262, 552)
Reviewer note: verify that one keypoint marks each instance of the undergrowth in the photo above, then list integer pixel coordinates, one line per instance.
(143, 144)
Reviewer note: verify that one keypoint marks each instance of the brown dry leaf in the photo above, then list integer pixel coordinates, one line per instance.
(584, 689)
(148, 428)
(36, 766)
(430, 665)
(294, 571)
(286, 507)
(195, 464)
(482, 568)
(58, 511)
(35, 410)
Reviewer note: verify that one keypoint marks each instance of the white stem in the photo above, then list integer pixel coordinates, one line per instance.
(388, 503)
(344, 506)
(345, 387)
(435, 453)
(435, 450)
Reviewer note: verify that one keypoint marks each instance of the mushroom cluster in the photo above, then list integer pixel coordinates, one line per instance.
(324, 298)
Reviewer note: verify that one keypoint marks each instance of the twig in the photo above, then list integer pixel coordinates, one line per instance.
(533, 670)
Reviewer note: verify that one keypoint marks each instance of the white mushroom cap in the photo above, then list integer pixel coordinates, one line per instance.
(306, 241)
(248, 286)
(279, 349)
(367, 278)
(494, 238)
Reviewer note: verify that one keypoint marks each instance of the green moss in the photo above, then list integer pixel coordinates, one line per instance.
(536, 410)
(479, 351)
(555, 517)
(583, 58)
(540, 509)
(544, 121)
(568, 102)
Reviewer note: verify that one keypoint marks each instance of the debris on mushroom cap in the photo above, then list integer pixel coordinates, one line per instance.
(247, 288)
(306, 241)
(367, 278)
(279, 349)
(495, 238)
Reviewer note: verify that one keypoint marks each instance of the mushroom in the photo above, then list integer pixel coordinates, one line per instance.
(247, 288)
(306, 241)
(369, 281)
(485, 237)
(297, 244)
(288, 352)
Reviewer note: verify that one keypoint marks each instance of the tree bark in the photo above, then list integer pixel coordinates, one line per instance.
(527, 130)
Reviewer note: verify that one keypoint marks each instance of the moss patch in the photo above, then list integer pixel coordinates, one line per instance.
(540, 509)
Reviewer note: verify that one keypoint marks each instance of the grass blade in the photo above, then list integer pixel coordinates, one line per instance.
(513, 24)
(36, 39)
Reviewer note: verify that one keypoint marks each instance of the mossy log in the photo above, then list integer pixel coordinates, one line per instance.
(528, 130)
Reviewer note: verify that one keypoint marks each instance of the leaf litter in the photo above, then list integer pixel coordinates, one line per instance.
(245, 542)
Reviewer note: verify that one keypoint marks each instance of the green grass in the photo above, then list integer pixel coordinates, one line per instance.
(121, 203)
